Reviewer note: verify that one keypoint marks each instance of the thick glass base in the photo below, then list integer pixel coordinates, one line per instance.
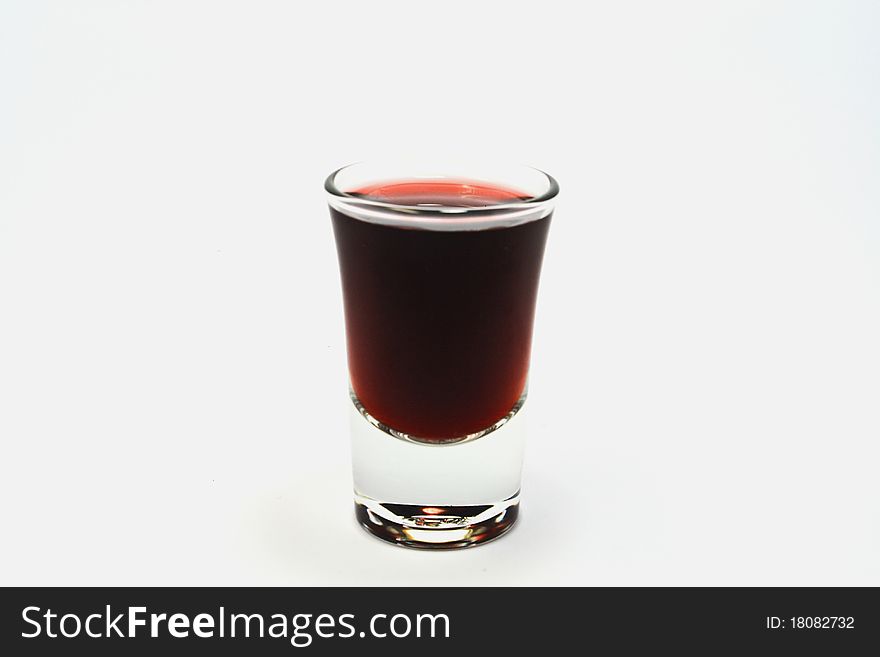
(436, 527)
(442, 494)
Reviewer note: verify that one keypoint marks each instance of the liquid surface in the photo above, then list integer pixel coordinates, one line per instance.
(460, 194)
(438, 323)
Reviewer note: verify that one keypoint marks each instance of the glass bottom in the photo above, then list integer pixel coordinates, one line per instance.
(436, 527)
(440, 494)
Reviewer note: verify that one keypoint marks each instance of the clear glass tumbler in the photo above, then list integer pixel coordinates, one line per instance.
(440, 267)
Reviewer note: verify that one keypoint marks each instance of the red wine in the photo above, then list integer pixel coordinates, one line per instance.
(439, 322)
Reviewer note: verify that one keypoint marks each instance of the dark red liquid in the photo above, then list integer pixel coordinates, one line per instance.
(439, 323)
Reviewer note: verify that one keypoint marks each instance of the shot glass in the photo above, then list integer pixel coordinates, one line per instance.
(440, 265)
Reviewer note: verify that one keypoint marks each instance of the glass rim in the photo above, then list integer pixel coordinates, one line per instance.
(531, 203)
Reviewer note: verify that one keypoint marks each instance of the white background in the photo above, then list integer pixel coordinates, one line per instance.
(705, 391)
